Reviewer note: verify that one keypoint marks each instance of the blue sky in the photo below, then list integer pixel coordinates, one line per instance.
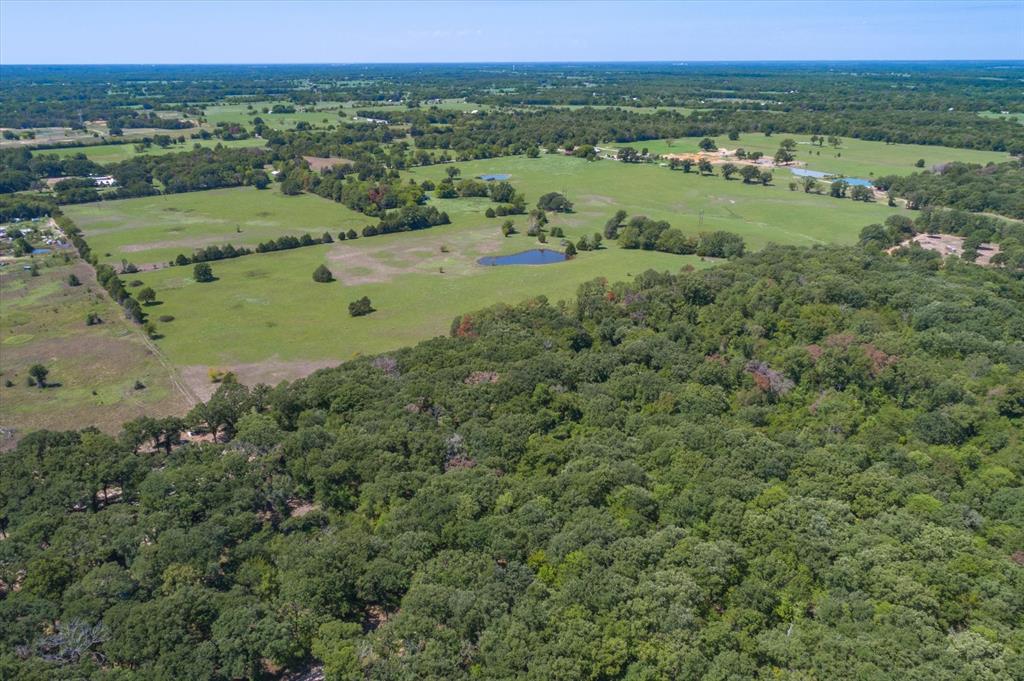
(83, 32)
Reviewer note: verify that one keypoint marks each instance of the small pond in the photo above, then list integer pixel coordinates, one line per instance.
(536, 256)
(498, 176)
(40, 251)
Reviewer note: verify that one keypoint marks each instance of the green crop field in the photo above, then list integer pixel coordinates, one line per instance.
(855, 158)
(42, 320)
(114, 153)
(264, 312)
(155, 229)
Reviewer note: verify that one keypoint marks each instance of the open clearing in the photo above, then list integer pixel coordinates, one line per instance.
(114, 153)
(265, 309)
(856, 158)
(154, 229)
(42, 320)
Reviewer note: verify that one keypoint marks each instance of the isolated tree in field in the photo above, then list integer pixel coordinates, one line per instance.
(202, 272)
(686, 163)
(39, 373)
(749, 174)
(358, 308)
(783, 156)
(788, 144)
(809, 184)
(838, 189)
(506, 228)
(555, 202)
(570, 250)
(708, 144)
(835, 141)
(452, 172)
(705, 167)
(322, 275)
(351, 234)
(919, 163)
(341, 235)
(73, 280)
(765, 177)
(728, 170)
(146, 296)
(734, 135)
(327, 238)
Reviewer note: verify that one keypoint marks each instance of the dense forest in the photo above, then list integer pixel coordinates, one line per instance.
(803, 463)
(995, 188)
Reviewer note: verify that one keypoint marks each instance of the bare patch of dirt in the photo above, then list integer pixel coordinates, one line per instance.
(391, 258)
(271, 372)
(319, 164)
(948, 244)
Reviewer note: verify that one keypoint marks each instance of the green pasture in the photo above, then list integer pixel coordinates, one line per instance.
(155, 229)
(1018, 117)
(266, 307)
(854, 158)
(114, 153)
(42, 320)
(690, 202)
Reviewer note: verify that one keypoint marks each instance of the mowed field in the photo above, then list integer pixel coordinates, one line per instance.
(854, 158)
(153, 230)
(42, 320)
(114, 153)
(265, 317)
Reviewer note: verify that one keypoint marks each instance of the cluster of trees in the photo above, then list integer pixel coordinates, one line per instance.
(196, 170)
(20, 169)
(408, 219)
(995, 188)
(370, 196)
(803, 460)
(658, 235)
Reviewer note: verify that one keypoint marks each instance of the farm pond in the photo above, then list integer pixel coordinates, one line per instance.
(535, 256)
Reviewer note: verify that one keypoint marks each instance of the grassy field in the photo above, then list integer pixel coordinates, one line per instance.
(1018, 117)
(267, 319)
(42, 320)
(326, 113)
(692, 203)
(856, 158)
(155, 229)
(114, 153)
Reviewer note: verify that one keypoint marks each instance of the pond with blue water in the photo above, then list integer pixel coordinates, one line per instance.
(40, 251)
(496, 176)
(819, 175)
(536, 256)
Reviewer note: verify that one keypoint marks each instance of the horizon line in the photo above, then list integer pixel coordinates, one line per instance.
(676, 62)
